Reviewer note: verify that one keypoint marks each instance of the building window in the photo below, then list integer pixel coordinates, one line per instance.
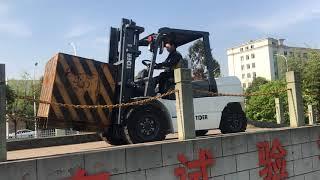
(247, 57)
(254, 75)
(241, 49)
(242, 58)
(252, 46)
(253, 65)
(285, 53)
(244, 85)
(243, 76)
(252, 56)
(242, 67)
(247, 48)
(273, 43)
(305, 55)
(248, 66)
(248, 75)
(249, 84)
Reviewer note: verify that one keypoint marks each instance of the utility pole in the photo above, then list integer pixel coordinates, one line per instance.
(285, 58)
(34, 103)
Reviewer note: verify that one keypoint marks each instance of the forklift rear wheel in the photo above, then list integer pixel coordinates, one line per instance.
(145, 124)
(114, 135)
(201, 132)
(233, 119)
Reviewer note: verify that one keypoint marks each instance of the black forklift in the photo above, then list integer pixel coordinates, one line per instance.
(150, 122)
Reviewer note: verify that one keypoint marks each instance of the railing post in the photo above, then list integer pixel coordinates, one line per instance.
(3, 138)
(312, 118)
(279, 111)
(184, 104)
(295, 101)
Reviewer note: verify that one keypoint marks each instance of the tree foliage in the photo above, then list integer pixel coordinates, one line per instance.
(196, 55)
(294, 63)
(10, 96)
(22, 108)
(311, 80)
(256, 83)
(262, 107)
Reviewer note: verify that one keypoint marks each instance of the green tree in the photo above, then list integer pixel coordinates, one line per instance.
(311, 80)
(294, 62)
(10, 96)
(262, 108)
(256, 83)
(19, 109)
(196, 55)
(309, 70)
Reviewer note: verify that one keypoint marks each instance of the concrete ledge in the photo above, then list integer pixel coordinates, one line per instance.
(236, 157)
(51, 141)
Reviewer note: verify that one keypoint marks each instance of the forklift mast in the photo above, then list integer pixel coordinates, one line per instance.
(123, 51)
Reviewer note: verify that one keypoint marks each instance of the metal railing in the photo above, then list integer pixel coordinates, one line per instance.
(42, 133)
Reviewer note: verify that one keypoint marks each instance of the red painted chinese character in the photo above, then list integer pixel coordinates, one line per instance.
(272, 158)
(205, 160)
(81, 175)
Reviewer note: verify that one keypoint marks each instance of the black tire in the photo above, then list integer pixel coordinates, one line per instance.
(114, 135)
(145, 124)
(233, 119)
(201, 132)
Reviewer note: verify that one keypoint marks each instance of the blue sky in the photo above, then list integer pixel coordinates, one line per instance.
(34, 30)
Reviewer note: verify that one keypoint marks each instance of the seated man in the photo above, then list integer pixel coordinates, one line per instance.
(173, 61)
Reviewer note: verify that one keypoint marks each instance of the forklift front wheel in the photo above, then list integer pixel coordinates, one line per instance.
(146, 123)
(114, 135)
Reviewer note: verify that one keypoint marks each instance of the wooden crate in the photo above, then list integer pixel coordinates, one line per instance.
(75, 80)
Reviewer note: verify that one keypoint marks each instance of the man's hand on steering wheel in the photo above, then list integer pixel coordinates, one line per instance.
(148, 62)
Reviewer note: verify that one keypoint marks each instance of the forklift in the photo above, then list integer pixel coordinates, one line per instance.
(155, 120)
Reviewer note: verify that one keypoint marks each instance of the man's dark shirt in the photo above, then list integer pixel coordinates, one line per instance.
(171, 62)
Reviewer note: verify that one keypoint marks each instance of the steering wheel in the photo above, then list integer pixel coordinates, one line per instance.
(146, 62)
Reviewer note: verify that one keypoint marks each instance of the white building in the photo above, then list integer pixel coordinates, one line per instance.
(258, 59)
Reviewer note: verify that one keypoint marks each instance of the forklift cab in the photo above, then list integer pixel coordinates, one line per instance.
(156, 43)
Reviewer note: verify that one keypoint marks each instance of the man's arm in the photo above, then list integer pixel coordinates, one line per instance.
(171, 61)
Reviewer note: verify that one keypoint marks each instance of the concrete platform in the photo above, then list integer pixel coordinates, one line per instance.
(234, 156)
(19, 144)
(84, 147)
